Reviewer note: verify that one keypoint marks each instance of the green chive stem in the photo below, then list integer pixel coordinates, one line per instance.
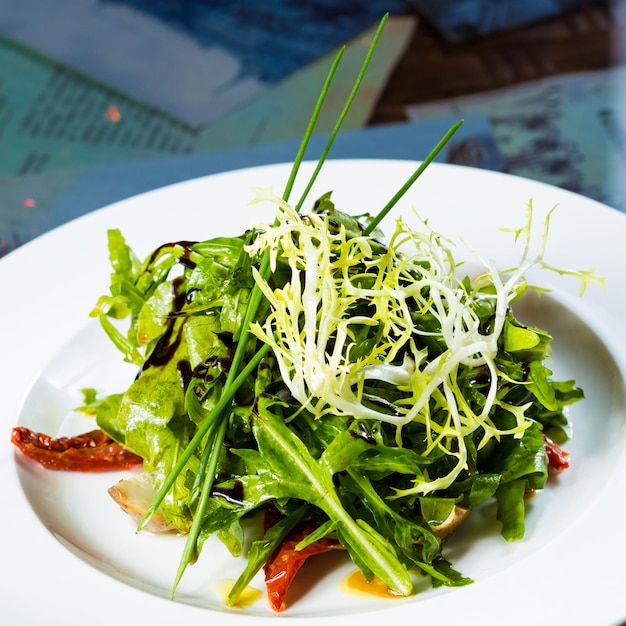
(256, 297)
(418, 172)
(232, 383)
(311, 125)
(344, 111)
(196, 526)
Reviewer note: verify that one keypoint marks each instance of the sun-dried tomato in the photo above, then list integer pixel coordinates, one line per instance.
(558, 459)
(284, 564)
(94, 451)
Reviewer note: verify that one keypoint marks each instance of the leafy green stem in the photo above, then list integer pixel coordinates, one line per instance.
(234, 380)
(219, 415)
(190, 545)
(344, 112)
(409, 183)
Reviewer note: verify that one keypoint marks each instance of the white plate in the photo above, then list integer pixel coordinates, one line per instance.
(68, 554)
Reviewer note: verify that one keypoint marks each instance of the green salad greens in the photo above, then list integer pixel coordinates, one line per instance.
(382, 389)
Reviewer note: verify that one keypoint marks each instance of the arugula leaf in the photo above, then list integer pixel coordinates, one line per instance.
(296, 474)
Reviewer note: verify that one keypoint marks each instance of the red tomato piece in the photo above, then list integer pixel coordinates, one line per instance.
(284, 564)
(94, 451)
(558, 459)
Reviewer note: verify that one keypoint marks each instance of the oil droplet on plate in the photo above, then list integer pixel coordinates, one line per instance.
(247, 597)
(355, 583)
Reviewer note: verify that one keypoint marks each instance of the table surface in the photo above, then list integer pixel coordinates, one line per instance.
(586, 39)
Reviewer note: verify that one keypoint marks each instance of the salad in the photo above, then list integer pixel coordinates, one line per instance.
(384, 395)
(344, 388)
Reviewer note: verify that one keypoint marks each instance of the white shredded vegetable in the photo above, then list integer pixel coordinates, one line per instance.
(311, 326)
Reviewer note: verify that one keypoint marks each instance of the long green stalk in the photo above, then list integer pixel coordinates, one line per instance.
(344, 112)
(418, 172)
(254, 302)
(232, 384)
(233, 381)
(196, 526)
